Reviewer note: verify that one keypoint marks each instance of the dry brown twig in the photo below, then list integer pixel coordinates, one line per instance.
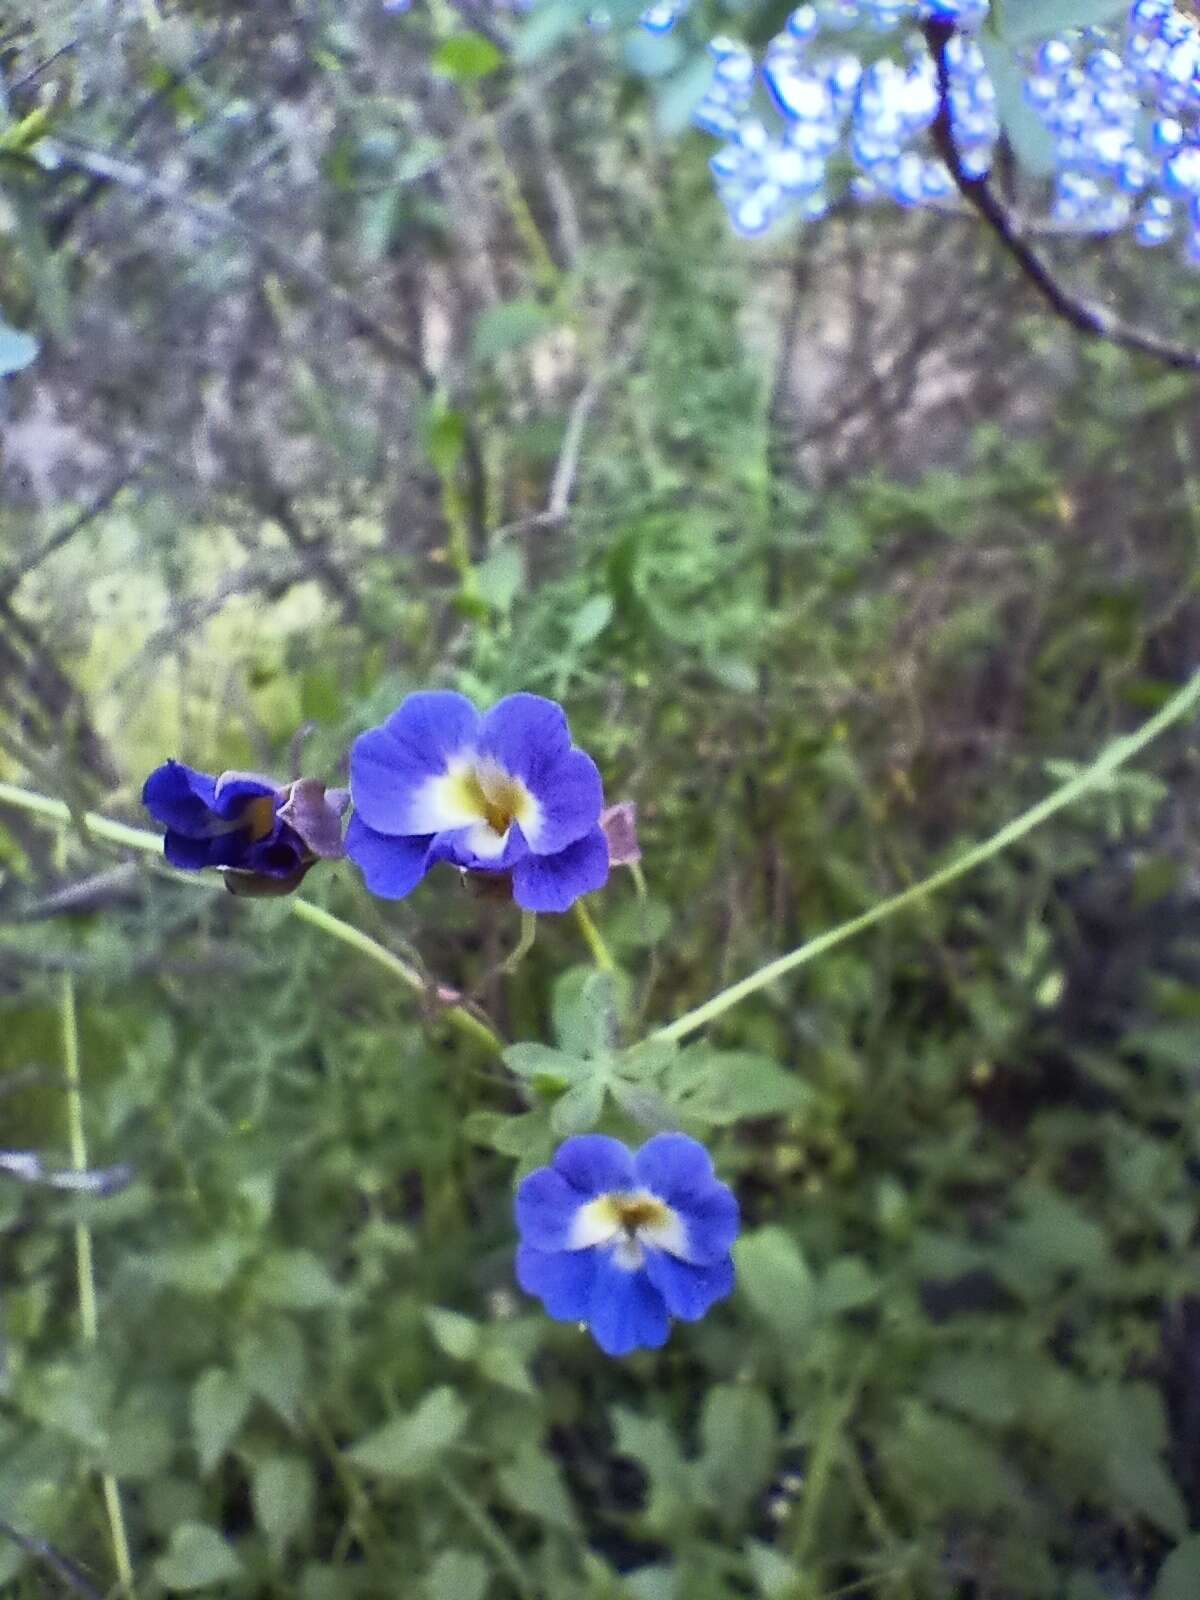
(1097, 322)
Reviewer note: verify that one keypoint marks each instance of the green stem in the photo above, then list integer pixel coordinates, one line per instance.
(85, 1275)
(1113, 757)
(524, 944)
(491, 1535)
(151, 843)
(601, 954)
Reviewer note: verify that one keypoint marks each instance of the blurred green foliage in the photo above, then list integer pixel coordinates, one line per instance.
(821, 644)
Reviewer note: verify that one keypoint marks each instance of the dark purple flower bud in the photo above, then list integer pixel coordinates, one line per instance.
(620, 829)
(265, 835)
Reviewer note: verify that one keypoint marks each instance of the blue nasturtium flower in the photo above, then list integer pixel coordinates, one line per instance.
(505, 794)
(625, 1242)
(264, 834)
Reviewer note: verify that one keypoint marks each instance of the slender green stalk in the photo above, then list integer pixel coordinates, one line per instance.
(151, 843)
(1113, 757)
(601, 954)
(524, 944)
(491, 1535)
(85, 1275)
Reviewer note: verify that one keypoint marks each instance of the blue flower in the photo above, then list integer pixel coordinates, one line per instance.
(502, 794)
(624, 1242)
(265, 835)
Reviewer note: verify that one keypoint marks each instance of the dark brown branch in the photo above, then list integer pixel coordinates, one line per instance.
(1085, 316)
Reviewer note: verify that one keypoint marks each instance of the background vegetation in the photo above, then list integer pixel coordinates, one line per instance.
(369, 362)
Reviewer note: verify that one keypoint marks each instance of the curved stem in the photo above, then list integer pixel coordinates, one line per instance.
(1114, 756)
(99, 827)
(601, 954)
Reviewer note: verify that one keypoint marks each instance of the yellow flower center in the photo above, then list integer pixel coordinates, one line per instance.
(258, 817)
(499, 798)
(629, 1212)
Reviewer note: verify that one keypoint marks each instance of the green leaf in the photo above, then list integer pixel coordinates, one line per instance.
(295, 1280)
(737, 1433)
(976, 1385)
(579, 1109)
(644, 1105)
(466, 57)
(408, 1447)
(847, 1284)
(775, 1577)
(1179, 1575)
(457, 1575)
(1052, 1236)
(220, 1401)
(540, 1061)
(196, 1557)
(1023, 21)
(735, 1085)
(454, 1333)
(945, 1461)
(202, 1269)
(283, 1493)
(506, 327)
(590, 621)
(1032, 142)
(654, 1447)
(649, 1060)
(775, 1278)
(17, 350)
(500, 578)
(272, 1366)
(533, 1482)
(584, 1011)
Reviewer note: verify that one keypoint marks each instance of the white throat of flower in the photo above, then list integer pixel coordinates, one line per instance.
(626, 1222)
(475, 792)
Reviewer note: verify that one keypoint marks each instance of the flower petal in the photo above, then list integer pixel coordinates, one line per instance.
(234, 790)
(593, 1164)
(546, 1209)
(391, 765)
(625, 1311)
(391, 866)
(525, 733)
(688, 1290)
(181, 798)
(192, 855)
(562, 1280)
(570, 795)
(314, 815)
(528, 737)
(680, 1171)
(554, 883)
(458, 846)
(280, 856)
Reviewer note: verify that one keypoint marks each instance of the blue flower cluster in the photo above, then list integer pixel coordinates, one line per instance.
(505, 797)
(1120, 107)
(619, 1241)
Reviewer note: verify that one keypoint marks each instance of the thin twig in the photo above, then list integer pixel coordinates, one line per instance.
(99, 164)
(1084, 315)
(20, 570)
(74, 1577)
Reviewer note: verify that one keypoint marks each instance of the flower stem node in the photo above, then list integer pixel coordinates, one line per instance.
(502, 795)
(624, 1242)
(265, 835)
